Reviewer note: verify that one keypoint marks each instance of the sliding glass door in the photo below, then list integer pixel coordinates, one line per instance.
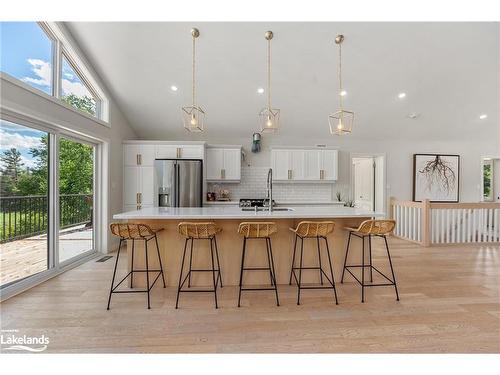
(24, 202)
(47, 202)
(76, 199)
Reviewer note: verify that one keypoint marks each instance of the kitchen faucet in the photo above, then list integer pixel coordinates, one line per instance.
(270, 189)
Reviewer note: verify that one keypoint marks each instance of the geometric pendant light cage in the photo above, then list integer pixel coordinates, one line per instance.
(269, 116)
(193, 116)
(341, 121)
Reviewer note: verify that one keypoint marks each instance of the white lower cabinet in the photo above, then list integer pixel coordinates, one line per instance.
(304, 165)
(138, 187)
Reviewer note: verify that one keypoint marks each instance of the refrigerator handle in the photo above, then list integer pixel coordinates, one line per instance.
(177, 184)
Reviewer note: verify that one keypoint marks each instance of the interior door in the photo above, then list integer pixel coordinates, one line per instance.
(364, 183)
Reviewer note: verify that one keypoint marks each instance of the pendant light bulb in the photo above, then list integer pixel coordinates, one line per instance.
(340, 126)
(193, 121)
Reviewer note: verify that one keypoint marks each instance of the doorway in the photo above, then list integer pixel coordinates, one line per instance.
(368, 180)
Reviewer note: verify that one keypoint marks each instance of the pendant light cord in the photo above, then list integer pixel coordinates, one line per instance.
(269, 74)
(194, 79)
(340, 75)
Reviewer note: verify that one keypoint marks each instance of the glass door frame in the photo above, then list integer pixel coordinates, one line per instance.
(99, 241)
(92, 251)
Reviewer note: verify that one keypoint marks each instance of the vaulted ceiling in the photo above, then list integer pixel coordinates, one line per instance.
(449, 72)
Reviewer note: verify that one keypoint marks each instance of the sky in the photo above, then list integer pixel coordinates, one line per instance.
(26, 54)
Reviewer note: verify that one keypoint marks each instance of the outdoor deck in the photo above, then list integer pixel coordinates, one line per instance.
(28, 256)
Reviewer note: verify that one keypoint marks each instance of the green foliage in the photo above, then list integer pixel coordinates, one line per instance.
(487, 180)
(10, 170)
(85, 103)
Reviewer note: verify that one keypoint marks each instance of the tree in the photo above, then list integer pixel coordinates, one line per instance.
(85, 103)
(10, 171)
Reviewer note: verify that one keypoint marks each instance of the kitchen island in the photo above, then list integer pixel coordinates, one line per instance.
(230, 242)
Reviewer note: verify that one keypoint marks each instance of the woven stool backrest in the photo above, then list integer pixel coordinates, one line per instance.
(131, 231)
(198, 230)
(257, 229)
(315, 228)
(380, 227)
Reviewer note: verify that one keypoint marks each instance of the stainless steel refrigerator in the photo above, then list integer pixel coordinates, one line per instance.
(180, 182)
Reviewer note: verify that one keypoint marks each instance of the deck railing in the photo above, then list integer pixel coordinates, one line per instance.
(429, 223)
(26, 216)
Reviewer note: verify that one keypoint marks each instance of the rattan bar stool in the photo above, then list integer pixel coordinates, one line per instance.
(199, 231)
(258, 231)
(135, 232)
(369, 229)
(314, 230)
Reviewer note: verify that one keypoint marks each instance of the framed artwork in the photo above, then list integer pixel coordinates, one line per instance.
(436, 177)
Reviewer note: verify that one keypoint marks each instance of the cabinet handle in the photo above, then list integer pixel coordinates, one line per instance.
(223, 174)
(289, 174)
(137, 159)
(140, 159)
(321, 174)
(178, 152)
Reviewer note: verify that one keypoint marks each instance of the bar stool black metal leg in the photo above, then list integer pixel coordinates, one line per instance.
(274, 272)
(370, 255)
(215, 281)
(147, 270)
(331, 271)
(159, 260)
(190, 263)
(300, 269)
(363, 270)
(218, 262)
(392, 269)
(180, 273)
(345, 259)
(114, 273)
(293, 259)
(269, 262)
(132, 265)
(319, 257)
(241, 270)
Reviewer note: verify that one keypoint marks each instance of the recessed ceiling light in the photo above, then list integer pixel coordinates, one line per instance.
(402, 95)
(412, 115)
(482, 117)
(260, 90)
(343, 93)
(173, 88)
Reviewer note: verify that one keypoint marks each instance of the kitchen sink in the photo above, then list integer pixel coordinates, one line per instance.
(259, 209)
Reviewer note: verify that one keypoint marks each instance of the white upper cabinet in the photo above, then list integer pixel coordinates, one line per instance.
(304, 164)
(223, 164)
(137, 154)
(179, 151)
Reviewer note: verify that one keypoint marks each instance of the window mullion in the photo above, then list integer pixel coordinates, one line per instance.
(57, 69)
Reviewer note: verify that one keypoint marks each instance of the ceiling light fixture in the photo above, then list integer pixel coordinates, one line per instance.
(341, 121)
(193, 116)
(483, 116)
(343, 93)
(260, 90)
(269, 116)
(402, 95)
(173, 88)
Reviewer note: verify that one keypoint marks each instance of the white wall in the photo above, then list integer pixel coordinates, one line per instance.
(399, 158)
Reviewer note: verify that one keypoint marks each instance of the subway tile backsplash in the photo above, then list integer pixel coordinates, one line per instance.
(254, 185)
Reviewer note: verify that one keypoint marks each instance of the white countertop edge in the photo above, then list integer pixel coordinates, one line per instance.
(231, 212)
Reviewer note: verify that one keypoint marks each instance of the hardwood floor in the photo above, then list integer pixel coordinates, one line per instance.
(450, 302)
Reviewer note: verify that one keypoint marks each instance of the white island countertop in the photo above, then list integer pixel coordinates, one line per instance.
(234, 212)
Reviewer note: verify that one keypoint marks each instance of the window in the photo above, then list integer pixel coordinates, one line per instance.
(74, 91)
(24, 202)
(488, 180)
(31, 52)
(26, 54)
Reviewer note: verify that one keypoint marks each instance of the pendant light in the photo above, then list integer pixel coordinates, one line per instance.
(341, 121)
(269, 117)
(193, 116)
